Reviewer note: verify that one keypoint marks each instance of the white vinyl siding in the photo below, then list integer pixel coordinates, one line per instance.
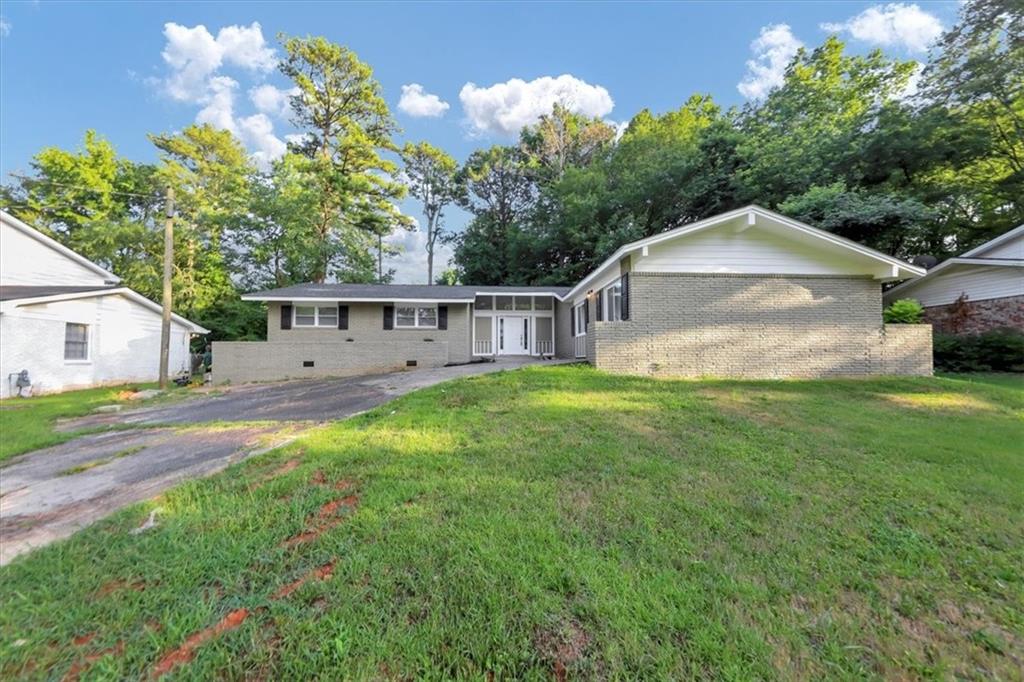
(1013, 248)
(754, 251)
(25, 261)
(980, 283)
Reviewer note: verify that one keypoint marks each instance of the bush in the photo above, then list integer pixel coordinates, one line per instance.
(903, 311)
(997, 350)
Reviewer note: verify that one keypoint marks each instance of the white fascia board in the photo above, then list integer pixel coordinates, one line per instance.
(948, 263)
(57, 246)
(753, 209)
(322, 299)
(130, 294)
(521, 293)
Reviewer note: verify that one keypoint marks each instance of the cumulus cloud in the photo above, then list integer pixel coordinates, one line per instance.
(773, 49)
(195, 58)
(5, 27)
(272, 100)
(892, 25)
(505, 108)
(417, 102)
(410, 264)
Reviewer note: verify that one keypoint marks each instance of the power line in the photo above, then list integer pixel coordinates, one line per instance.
(84, 188)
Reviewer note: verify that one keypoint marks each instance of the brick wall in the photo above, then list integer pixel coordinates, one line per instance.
(757, 327)
(364, 348)
(981, 316)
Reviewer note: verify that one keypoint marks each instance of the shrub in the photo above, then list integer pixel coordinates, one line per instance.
(999, 350)
(903, 311)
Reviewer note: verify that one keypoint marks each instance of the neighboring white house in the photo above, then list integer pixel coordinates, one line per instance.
(70, 323)
(990, 278)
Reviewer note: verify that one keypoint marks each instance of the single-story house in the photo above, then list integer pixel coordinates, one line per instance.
(70, 323)
(749, 293)
(982, 289)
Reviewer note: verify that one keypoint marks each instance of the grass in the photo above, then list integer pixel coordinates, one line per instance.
(560, 522)
(28, 423)
(85, 466)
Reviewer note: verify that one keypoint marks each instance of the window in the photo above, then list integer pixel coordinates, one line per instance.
(504, 303)
(579, 315)
(416, 316)
(523, 303)
(613, 302)
(542, 303)
(484, 303)
(316, 316)
(76, 341)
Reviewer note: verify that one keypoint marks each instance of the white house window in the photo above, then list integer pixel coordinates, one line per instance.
(613, 302)
(580, 317)
(76, 341)
(316, 316)
(523, 303)
(424, 316)
(542, 303)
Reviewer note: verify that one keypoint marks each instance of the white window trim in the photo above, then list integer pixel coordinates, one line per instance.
(607, 301)
(416, 324)
(581, 329)
(87, 360)
(316, 317)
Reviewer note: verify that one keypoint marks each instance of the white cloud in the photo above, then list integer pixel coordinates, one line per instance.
(5, 27)
(219, 109)
(913, 83)
(272, 100)
(773, 49)
(258, 132)
(417, 102)
(194, 55)
(505, 108)
(892, 25)
(410, 264)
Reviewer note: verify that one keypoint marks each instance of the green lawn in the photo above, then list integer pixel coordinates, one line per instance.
(28, 423)
(560, 522)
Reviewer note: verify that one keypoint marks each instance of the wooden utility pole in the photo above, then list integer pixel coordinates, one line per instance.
(165, 324)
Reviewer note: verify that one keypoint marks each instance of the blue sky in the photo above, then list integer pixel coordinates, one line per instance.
(128, 69)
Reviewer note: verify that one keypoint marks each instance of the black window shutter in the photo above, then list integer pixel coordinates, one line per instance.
(625, 296)
(342, 316)
(442, 317)
(389, 317)
(572, 321)
(600, 306)
(286, 317)
(586, 314)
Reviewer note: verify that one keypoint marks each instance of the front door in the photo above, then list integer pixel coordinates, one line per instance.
(513, 335)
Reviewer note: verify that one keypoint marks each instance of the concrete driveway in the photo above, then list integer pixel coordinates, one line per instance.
(49, 494)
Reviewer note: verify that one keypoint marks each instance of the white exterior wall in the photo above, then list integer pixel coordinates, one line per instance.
(1013, 248)
(29, 262)
(750, 251)
(980, 283)
(124, 344)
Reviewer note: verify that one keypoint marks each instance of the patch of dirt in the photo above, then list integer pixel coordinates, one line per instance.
(562, 647)
(112, 586)
(187, 651)
(79, 667)
(324, 520)
(82, 640)
(318, 478)
(344, 484)
(321, 573)
(287, 467)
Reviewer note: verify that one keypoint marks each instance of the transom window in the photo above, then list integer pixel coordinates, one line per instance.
(316, 316)
(76, 341)
(423, 316)
(612, 296)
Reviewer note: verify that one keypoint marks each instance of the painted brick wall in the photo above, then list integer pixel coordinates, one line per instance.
(563, 329)
(756, 327)
(981, 316)
(365, 347)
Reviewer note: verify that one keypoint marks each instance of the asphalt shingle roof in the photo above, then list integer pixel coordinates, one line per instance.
(387, 292)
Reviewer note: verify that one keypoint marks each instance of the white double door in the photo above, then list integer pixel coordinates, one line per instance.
(513, 335)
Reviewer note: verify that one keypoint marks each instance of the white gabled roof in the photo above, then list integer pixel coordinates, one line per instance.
(58, 247)
(992, 243)
(130, 294)
(899, 269)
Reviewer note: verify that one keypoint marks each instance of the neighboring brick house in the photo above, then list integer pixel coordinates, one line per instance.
(982, 289)
(749, 293)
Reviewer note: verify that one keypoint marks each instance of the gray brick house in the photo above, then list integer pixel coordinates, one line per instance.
(749, 293)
